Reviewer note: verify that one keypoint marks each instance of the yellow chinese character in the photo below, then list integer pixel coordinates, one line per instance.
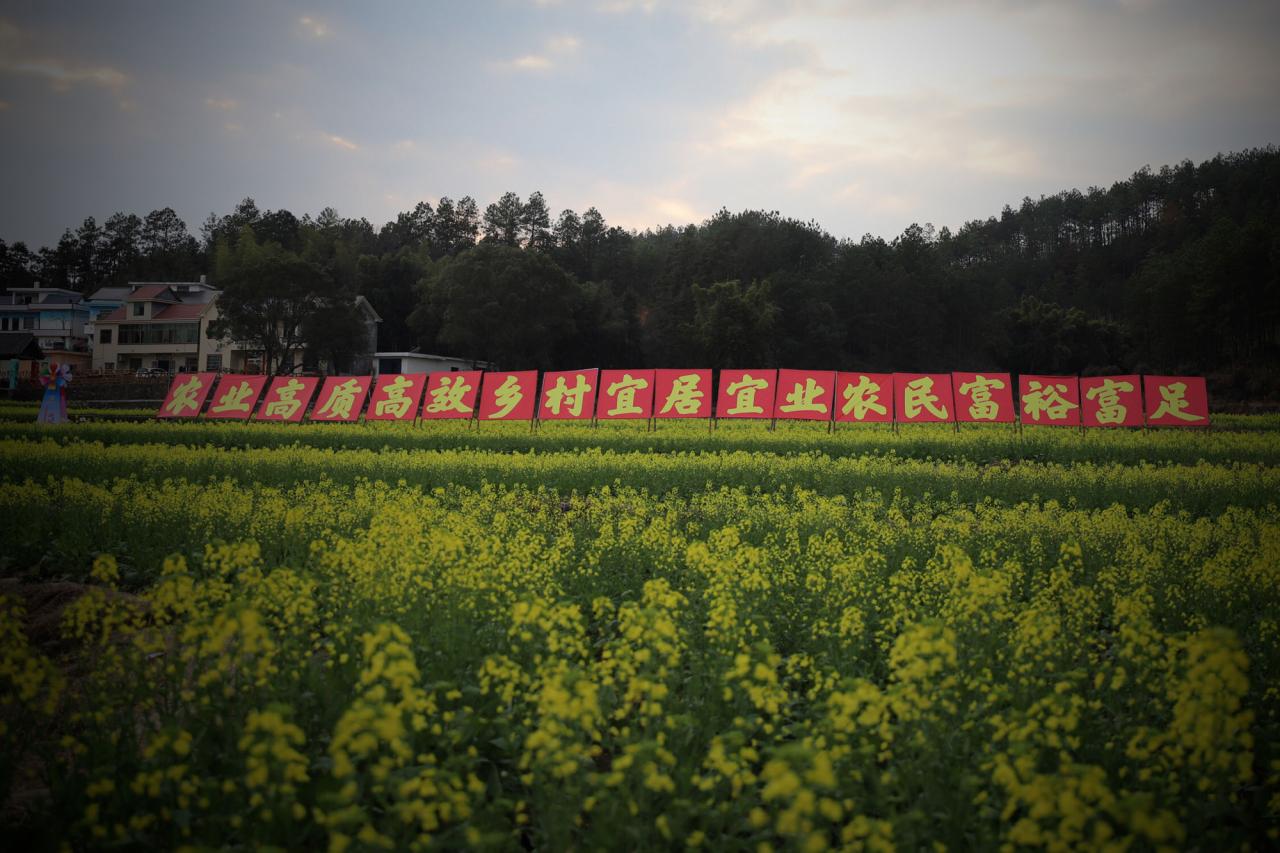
(507, 395)
(448, 396)
(234, 399)
(1047, 399)
(575, 395)
(624, 393)
(685, 397)
(340, 401)
(184, 396)
(919, 395)
(978, 391)
(395, 403)
(805, 399)
(1173, 402)
(1110, 409)
(743, 393)
(286, 404)
(862, 398)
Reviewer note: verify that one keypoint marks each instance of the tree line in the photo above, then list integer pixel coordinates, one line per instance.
(1173, 270)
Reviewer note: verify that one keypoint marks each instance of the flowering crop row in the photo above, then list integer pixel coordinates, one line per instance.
(1247, 443)
(309, 647)
(1200, 488)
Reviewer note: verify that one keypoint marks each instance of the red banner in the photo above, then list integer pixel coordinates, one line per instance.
(186, 395)
(625, 394)
(568, 395)
(682, 393)
(922, 397)
(1098, 401)
(746, 393)
(396, 397)
(1107, 401)
(1053, 400)
(236, 396)
(984, 397)
(451, 394)
(805, 395)
(864, 397)
(287, 398)
(341, 399)
(509, 396)
(1176, 401)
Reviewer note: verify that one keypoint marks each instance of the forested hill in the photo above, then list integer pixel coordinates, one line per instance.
(1173, 270)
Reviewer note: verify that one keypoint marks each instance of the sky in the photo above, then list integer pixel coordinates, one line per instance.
(865, 117)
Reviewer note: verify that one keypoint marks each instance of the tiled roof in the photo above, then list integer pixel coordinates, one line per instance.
(113, 317)
(17, 344)
(110, 293)
(181, 311)
(149, 291)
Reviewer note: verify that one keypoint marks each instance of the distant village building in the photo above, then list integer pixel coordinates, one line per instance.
(20, 358)
(165, 326)
(420, 362)
(160, 325)
(54, 316)
(103, 301)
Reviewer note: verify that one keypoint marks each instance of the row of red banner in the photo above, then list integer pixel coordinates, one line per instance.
(1094, 401)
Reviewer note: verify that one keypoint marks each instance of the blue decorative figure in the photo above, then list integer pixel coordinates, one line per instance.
(53, 408)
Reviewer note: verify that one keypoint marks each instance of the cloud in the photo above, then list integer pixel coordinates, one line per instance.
(345, 144)
(496, 161)
(531, 62)
(4, 105)
(221, 103)
(563, 44)
(638, 207)
(313, 27)
(555, 48)
(674, 209)
(623, 7)
(63, 73)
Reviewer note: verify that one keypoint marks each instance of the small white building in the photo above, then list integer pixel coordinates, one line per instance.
(421, 362)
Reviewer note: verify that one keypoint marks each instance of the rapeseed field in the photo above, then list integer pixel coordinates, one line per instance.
(380, 638)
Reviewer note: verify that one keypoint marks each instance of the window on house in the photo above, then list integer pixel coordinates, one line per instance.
(160, 333)
(213, 361)
(4, 324)
(110, 365)
(28, 322)
(104, 336)
(139, 309)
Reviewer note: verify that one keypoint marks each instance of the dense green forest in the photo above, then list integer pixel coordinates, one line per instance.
(1175, 270)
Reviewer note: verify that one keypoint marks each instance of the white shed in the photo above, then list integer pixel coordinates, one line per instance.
(421, 362)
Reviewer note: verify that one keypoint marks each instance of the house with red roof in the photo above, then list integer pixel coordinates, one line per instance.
(160, 325)
(165, 326)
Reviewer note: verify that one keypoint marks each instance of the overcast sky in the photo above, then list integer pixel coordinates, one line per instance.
(864, 116)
